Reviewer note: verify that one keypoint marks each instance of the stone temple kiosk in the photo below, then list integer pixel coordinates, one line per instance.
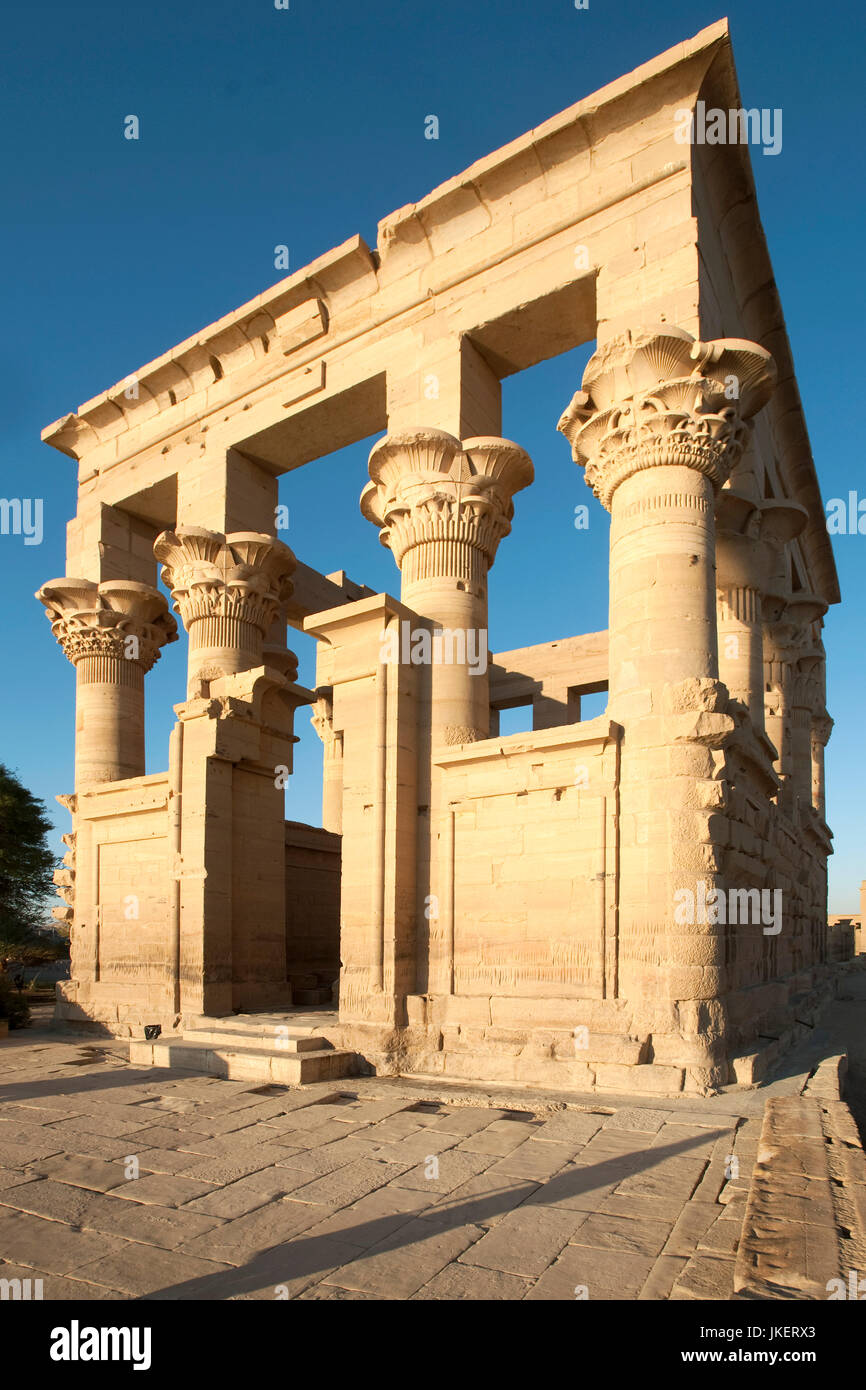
(633, 901)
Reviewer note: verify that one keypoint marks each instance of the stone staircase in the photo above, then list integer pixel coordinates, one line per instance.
(287, 1049)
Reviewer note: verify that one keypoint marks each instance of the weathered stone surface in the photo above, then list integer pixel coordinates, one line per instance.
(790, 1245)
(691, 1226)
(405, 1261)
(286, 1272)
(706, 1277)
(561, 862)
(602, 1274)
(142, 1271)
(641, 1121)
(237, 1241)
(92, 1173)
(163, 1189)
(58, 1288)
(147, 1223)
(463, 1282)
(452, 1170)
(51, 1246)
(638, 1235)
(526, 1241)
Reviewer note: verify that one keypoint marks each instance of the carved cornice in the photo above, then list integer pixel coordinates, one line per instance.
(427, 488)
(243, 577)
(117, 621)
(655, 396)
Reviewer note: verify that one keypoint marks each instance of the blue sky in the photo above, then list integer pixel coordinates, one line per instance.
(302, 127)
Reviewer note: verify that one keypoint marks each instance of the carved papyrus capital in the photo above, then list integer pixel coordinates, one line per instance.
(822, 728)
(793, 631)
(111, 630)
(322, 720)
(791, 647)
(751, 537)
(657, 396)
(242, 577)
(428, 489)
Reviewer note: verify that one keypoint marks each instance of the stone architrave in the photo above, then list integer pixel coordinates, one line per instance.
(112, 633)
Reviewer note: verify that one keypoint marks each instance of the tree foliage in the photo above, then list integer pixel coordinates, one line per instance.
(26, 870)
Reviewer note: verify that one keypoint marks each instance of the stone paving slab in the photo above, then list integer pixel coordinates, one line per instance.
(526, 1242)
(57, 1287)
(51, 1246)
(404, 1262)
(370, 1188)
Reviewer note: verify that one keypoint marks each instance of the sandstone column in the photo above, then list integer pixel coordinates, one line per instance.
(806, 701)
(751, 582)
(822, 728)
(659, 425)
(112, 633)
(738, 590)
(790, 657)
(781, 522)
(228, 591)
(443, 508)
(332, 766)
(234, 742)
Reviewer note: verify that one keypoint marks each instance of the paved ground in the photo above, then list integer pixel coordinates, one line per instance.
(119, 1182)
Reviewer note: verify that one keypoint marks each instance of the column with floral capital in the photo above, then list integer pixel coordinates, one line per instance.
(112, 632)
(443, 507)
(658, 426)
(228, 589)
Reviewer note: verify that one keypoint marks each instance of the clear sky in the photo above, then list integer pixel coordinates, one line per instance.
(304, 126)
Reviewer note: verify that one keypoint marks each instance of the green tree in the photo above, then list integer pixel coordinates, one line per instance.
(26, 868)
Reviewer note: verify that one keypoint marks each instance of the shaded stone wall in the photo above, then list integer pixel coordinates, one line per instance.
(119, 890)
(312, 861)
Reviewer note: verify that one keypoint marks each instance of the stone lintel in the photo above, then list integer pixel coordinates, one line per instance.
(600, 730)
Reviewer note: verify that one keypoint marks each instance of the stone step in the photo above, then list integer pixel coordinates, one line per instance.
(238, 1063)
(752, 1064)
(300, 1022)
(275, 1037)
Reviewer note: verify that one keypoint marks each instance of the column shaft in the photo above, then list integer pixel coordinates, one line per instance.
(658, 431)
(109, 720)
(741, 660)
(662, 592)
(112, 632)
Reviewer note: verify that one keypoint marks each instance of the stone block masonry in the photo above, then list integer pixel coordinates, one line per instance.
(475, 906)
